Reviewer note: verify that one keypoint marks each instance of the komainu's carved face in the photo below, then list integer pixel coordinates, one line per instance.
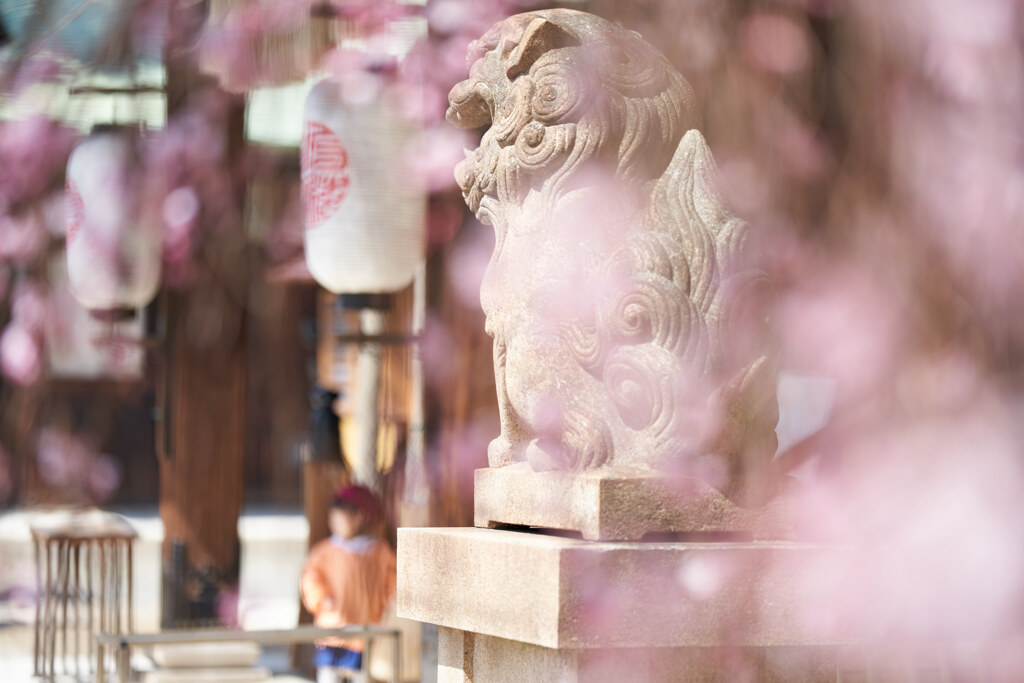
(561, 89)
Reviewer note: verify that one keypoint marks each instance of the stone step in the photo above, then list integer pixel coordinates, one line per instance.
(212, 674)
(206, 655)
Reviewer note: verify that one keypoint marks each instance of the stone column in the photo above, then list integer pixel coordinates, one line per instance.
(365, 472)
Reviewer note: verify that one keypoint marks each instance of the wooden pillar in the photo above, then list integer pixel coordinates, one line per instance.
(415, 505)
(203, 377)
(201, 471)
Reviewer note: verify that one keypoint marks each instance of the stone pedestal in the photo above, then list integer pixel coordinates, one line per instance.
(616, 504)
(516, 606)
(466, 657)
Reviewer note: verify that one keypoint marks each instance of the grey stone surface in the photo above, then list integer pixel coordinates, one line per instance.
(604, 504)
(564, 593)
(474, 657)
(454, 656)
(628, 319)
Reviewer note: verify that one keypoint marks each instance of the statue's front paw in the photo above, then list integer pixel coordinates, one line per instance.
(501, 452)
(546, 454)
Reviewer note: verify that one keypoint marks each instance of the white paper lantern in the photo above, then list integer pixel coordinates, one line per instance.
(113, 257)
(364, 215)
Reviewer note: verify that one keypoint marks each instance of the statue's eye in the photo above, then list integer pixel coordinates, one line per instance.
(558, 95)
(548, 100)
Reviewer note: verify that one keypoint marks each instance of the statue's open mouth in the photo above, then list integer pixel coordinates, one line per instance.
(478, 192)
(487, 209)
(485, 206)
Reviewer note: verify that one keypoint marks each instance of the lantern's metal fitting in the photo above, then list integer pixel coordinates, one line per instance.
(112, 315)
(132, 90)
(358, 302)
(387, 339)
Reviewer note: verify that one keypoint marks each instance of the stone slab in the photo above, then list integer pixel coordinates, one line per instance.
(206, 655)
(565, 593)
(211, 675)
(468, 657)
(614, 505)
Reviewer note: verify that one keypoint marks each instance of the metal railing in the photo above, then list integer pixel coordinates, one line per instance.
(121, 644)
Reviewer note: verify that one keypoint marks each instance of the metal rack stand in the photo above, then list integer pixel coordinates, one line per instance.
(84, 588)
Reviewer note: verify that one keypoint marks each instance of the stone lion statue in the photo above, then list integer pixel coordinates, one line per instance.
(629, 327)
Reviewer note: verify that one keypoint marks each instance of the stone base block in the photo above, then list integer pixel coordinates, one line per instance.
(559, 593)
(465, 657)
(615, 505)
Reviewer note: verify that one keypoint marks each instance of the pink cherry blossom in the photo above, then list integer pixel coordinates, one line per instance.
(104, 477)
(31, 307)
(227, 608)
(776, 43)
(61, 459)
(33, 153)
(21, 358)
(22, 238)
(180, 217)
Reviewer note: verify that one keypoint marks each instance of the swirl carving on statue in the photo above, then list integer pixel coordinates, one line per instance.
(629, 320)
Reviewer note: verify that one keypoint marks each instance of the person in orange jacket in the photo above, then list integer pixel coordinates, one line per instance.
(348, 579)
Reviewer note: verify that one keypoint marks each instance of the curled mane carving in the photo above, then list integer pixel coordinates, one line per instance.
(595, 93)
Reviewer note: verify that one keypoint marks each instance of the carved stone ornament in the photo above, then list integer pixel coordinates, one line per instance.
(630, 330)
